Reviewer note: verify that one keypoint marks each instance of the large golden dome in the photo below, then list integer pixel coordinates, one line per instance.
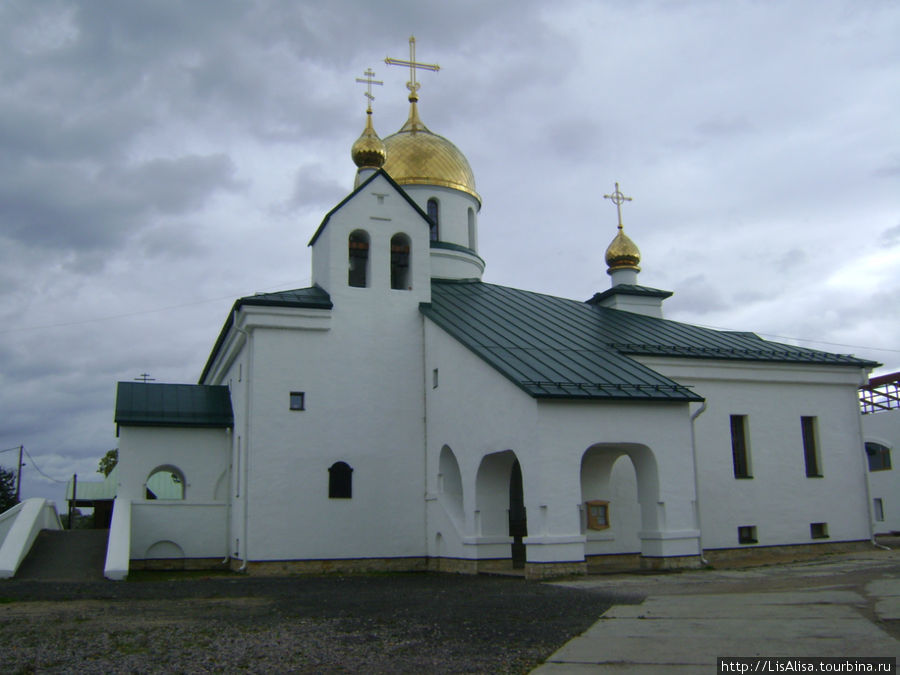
(416, 156)
(622, 253)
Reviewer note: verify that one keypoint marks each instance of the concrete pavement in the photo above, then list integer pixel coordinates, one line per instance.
(845, 605)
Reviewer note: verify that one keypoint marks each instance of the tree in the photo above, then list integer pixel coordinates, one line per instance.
(7, 489)
(108, 461)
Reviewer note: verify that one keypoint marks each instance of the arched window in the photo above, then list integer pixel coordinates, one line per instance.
(358, 254)
(340, 481)
(400, 258)
(473, 244)
(434, 215)
(879, 457)
(165, 482)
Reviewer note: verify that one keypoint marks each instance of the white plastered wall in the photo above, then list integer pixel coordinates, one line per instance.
(360, 368)
(477, 412)
(195, 527)
(780, 500)
(884, 428)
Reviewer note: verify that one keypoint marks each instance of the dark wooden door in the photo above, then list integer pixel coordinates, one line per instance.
(518, 523)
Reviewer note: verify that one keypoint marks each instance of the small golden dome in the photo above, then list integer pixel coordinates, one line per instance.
(622, 253)
(368, 151)
(416, 156)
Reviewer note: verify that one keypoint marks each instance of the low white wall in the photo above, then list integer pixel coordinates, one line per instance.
(27, 520)
(119, 543)
(160, 528)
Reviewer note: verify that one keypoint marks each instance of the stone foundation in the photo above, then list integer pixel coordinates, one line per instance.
(595, 564)
(675, 562)
(453, 565)
(763, 555)
(554, 569)
(615, 562)
(177, 564)
(334, 566)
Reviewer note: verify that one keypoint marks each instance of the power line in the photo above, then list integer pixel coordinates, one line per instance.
(38, 469)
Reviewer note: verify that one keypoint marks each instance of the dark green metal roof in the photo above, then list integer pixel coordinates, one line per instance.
(173, 405)
(313, 297)
(557, 348)
(549, 347)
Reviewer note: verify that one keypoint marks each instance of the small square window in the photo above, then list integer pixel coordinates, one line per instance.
(747, 534)
(298, 400)
(597, 514)
(818, 530)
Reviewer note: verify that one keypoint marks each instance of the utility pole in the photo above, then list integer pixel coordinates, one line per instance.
(19, 475)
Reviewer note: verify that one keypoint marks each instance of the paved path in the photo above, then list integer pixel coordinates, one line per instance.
(838, 606)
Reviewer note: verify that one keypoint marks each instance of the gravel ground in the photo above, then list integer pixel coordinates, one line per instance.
(400, 623)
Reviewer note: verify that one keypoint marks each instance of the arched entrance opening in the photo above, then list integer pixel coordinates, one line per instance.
(619, 495)
(500, 502)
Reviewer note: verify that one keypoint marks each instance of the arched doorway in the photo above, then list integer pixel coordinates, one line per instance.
(619, 495)
(500, 502)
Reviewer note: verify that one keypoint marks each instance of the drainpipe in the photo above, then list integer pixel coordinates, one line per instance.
(694, 417)
(247, 408)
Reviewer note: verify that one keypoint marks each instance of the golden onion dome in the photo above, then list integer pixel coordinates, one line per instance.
(416, 156)
(622, 253)
(368, 152)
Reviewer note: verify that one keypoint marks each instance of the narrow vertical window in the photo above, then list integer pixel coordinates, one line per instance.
(878, 508)
(400, 277)
(434, 378)
(358, 254)
(473, 244)
(810, 449)
(739, 451)
(298, 400)
(434, 216)
(340, 481)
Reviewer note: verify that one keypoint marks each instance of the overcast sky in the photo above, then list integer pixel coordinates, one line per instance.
(160, 159)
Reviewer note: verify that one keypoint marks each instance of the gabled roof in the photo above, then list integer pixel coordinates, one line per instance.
(556, 348)
(313, 297)
(173, 405)
(362, 186)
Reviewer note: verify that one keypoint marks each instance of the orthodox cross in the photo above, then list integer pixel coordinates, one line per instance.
(369, 80)
(618, 199)
(145, 378)
(412, 85)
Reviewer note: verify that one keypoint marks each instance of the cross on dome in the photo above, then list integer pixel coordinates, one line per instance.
(369, 80)
(618, 199)
(412, 85)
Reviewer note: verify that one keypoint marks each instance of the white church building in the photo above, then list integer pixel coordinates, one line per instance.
(402, 414)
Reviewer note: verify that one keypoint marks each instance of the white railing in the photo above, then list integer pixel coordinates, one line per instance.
(19, 527)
